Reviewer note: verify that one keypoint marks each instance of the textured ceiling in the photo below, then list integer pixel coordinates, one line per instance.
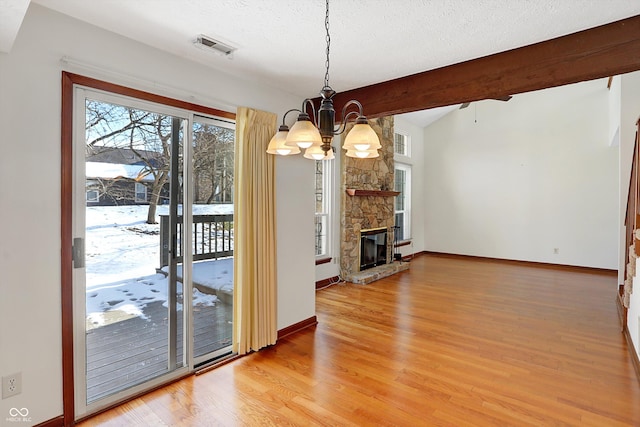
(282, 42)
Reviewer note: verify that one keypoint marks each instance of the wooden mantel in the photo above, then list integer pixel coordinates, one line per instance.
(375, 193)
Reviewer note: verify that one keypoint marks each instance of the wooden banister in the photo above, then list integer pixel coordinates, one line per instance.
(632, 203)
(632, 221)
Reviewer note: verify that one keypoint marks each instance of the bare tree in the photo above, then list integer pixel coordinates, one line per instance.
(156, 135)
(213, 149)
(146, 135)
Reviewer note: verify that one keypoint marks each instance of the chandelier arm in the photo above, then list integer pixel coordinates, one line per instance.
(284, 117)
(345, 118)
(308, 102)
(349, 104)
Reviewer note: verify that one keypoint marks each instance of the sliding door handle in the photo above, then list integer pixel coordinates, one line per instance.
(77, 252)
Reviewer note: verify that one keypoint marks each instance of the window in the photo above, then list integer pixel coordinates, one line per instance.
(141, 192)
(323, 206)
(93, 196)
(402, 154)
(401, 144)
(403, 201)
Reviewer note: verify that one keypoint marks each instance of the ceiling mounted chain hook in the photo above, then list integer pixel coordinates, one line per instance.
(328, 39)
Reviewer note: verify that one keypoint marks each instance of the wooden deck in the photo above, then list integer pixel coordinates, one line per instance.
(129, 352)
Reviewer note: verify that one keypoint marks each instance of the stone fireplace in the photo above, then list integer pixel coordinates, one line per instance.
(367, 199)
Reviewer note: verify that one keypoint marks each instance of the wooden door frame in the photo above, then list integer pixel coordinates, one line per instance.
(69, 81)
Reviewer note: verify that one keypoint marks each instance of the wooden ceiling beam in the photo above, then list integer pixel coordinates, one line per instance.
(598, 52)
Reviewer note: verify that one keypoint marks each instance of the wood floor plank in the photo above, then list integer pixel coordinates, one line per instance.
(453, 341)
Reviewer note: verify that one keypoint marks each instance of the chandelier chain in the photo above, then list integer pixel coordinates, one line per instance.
(328, 38)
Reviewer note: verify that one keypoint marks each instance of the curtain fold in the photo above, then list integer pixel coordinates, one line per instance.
(254, 267)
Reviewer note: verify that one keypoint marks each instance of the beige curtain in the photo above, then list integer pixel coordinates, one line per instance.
(254, 266)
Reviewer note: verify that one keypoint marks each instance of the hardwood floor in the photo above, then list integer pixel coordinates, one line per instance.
(451, 342)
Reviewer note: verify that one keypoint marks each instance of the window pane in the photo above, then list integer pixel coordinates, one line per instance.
(213, 154)
(399, 226)
(321, 234)
(322, 194)
(93, 196)
(125, 149)
(400, 185)
(399, 143)
(212, 236)
(141, 192)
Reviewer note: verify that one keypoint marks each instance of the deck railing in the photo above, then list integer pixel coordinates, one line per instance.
(212, 237)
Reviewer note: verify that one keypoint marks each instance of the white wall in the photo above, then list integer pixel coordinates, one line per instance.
(30, 107)
(517, 179)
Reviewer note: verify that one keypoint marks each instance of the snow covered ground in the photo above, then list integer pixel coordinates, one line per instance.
(122, 254)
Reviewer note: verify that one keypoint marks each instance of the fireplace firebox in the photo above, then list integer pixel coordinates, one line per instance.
(373, 248)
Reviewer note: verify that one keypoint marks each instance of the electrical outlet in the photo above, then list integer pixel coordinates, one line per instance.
(11, 385)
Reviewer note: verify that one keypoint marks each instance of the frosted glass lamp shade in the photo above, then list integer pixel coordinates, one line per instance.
(304, 134)
(362, 137)
(362, 154)
(277, 145)
(316, 153)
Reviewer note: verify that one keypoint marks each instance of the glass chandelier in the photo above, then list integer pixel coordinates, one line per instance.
(315, 133)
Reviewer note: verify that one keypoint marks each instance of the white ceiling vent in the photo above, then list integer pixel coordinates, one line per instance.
(208, 43)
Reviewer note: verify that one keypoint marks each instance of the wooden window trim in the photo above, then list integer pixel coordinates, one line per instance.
(402, 243)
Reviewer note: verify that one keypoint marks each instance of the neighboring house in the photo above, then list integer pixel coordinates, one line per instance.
(120, 177)
(110, 184)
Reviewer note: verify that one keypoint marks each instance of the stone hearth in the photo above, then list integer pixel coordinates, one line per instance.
(375, 273)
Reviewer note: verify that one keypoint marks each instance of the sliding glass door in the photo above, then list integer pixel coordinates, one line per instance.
(153, 244)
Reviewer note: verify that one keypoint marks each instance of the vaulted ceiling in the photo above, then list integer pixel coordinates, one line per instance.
(282, 43)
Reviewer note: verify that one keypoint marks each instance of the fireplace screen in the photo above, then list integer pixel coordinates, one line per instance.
(373, 248)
